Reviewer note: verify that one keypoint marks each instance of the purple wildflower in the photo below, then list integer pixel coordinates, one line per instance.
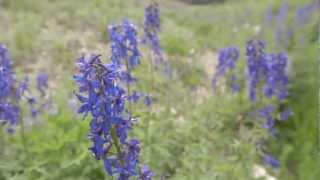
(269, 16)
(135, 96)
(304, 13)
(124, 45)
(146, 173)
(102, 96)
(272, 161)
(256, 65)
(42, 83)
(9, 112)
(227, 61)
(148, 100)
(283, 12)
(7, 75)
(234, 85)
(277, 80)
(23, 87)
(267, 113)
(13, 91)
(286, 114)
(151, 29)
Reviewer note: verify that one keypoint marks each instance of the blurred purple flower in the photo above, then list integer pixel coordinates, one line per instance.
(42, 82)
(256, 65)
(148, 100)
(151, 29)
(304, 13)
(277, 79)
(286, 114)
(101, 95)
(9, 112)
(269, 16)
(283, 12)
(124, 45)
(226, 63)
(146, 173)
(267, 113)
(272, 161)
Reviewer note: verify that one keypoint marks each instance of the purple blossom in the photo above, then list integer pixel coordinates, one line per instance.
(127, 77)
(269, 16)
(146, 173)
(124, 45)
(266, 71)
(102, 96)
(256, 66)
(286, 114)
(10, 114)
(277, 79)
(272, 161)
(42, 83)
(267, 113)
(304, 13)
(234, 84)
(32, 104)
(9, 111)
(148, 100)
(23, 87)
(7, 75)
(283, 12)
(135, 97)
(12, 92)
(267, 76)
(151, 29)
(226, 63)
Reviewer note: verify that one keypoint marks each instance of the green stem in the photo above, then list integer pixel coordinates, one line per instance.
(128, 86)
(116, 143)
(22, 134)
(2, 141)
(151, 70)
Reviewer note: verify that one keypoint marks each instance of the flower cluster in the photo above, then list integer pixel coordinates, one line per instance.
(272, 161)
(268, 18)
(13, 91)
(9, 110)
(102, 95)
(268, 78)
(284, 32)
(267, 113)
(126, 56)
(277, 80)
(266, 72)
(151, 29)
(226, 63)
(136, 96)
(304, 13)
(42, 83)
(283, 12)
(124, 46)
(256, 66)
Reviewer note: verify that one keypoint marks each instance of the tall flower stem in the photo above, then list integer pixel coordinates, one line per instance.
(116, 143)
(22, 134)
(128, 86)
(151, 66)
(2, 141)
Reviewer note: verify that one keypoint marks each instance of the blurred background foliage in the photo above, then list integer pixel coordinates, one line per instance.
(193, 133)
